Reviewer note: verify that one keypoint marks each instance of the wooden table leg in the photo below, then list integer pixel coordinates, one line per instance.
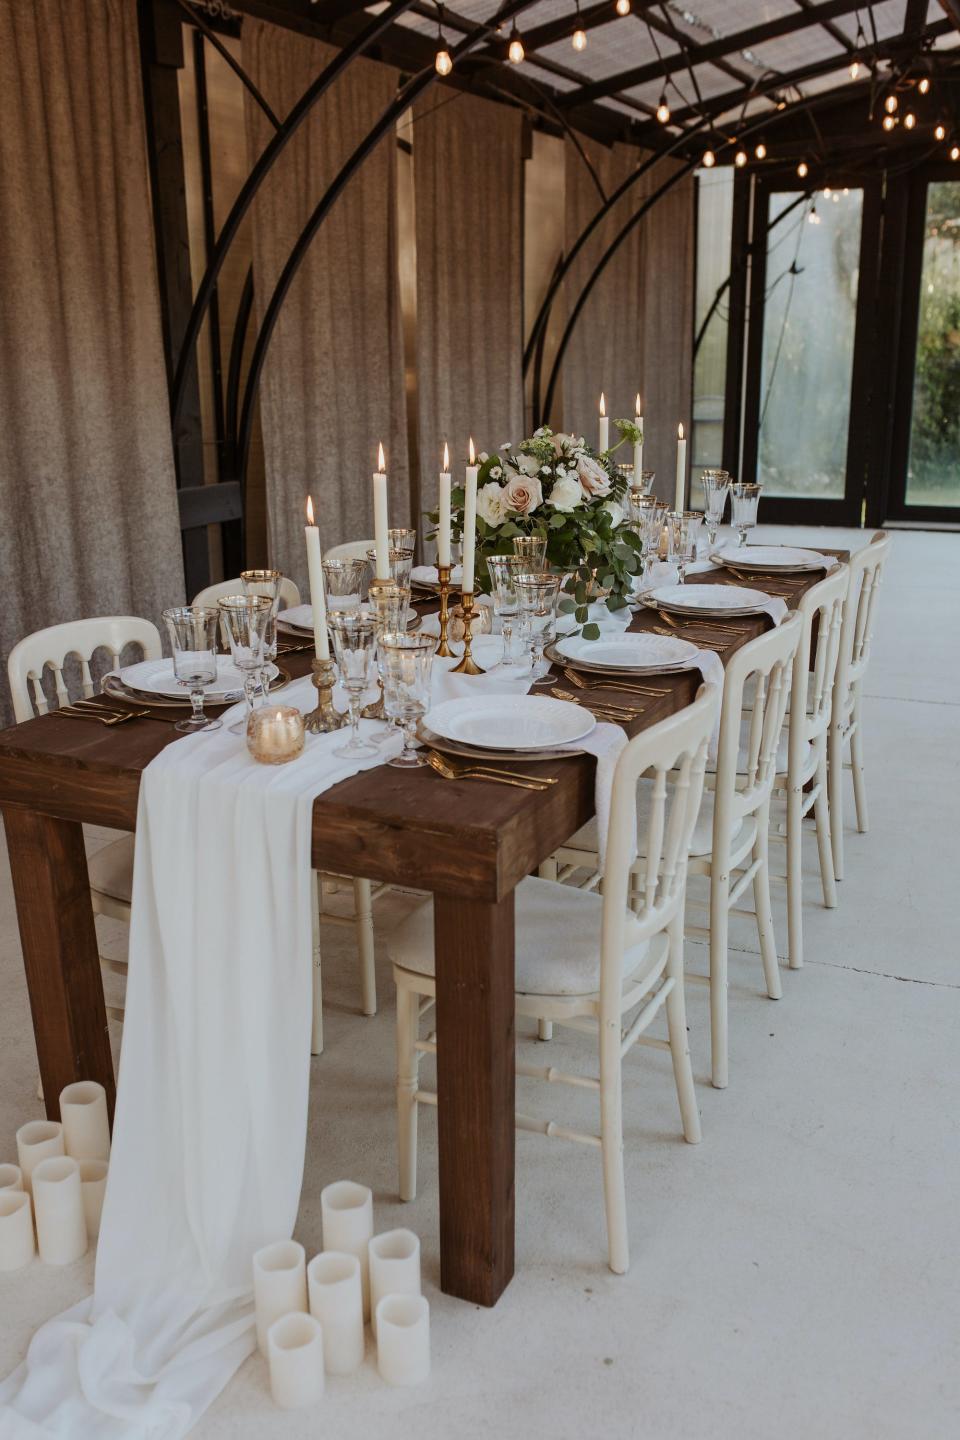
(476, 1082)
(49, 868)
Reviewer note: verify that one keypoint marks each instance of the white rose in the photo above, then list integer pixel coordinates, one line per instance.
(614, 509)
(528, 464)
(491, 504)
(593, 477)
(561, 442)
(566, 494)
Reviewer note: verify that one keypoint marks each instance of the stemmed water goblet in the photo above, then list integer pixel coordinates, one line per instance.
(354, 640)
(716, 484)
(744, 500)
(538, 595)
(342, 580)
(193, 640)
(533, 549)
(406, 662)
(400, 562)
(246, 619)
(265, 583)
(502, 570)
(683, 531)
(645, 513)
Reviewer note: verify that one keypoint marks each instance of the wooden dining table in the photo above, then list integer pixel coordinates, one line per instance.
(469, 843)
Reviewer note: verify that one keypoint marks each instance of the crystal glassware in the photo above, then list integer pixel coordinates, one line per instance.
(716, 484)
(401, 563)
(533, 549)
(538, 595)
(354, 640)
(406, 662)
(683, 531)
(744, 500)
(246, 619)
(265, 583)
(400, 538)
(275, 734)
(342, 582)
(193, 640)
(645, 514)
(501, 569)
(642, 484)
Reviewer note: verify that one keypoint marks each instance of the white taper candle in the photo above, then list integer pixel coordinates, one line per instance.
(443, 524)
(638, 449)
(680, 494)
(604, 426)
(380, 520)
(469, 522)
(318, 598)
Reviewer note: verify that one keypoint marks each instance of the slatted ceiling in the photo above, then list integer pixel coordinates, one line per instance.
(804, 47)
(609, 48)
(888, 17)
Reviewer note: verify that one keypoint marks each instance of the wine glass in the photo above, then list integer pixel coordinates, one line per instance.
(683, 531)
(265, 583)
(342, 580)
(744, 500)
(193, 640)
(532, 548)
(246, 619)
(354, 639)
(406, 662)
(716, 484)
(505, 602)
(646, 518)
(400, 562)
(538, 595)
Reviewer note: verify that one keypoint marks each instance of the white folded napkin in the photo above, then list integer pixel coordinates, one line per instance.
(427, 575)
(607, 743)
(775, 607)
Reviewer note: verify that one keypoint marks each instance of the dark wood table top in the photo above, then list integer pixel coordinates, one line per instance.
(409, 827)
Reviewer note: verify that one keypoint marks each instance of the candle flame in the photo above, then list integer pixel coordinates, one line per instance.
(381, 462)
(310, 519)
(679, 432)
(603, 407)
(473, 453)
(639, 409)
(446, 458)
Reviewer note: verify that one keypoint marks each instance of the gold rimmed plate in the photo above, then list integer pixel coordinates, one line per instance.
(471, 752)
(117, 690)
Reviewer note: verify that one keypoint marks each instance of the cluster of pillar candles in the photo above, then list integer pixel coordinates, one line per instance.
(310, 1317)
(381, 519)
(58, 1182)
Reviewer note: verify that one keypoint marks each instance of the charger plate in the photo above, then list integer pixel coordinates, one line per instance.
(473, 752)
(639, 653)
(115, 688)
(781, 559)
(716, 600)
(496, 723)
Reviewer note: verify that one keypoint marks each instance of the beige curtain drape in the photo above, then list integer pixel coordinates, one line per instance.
(333, 381)
(90, 523)
(635, 332)
(468, 177)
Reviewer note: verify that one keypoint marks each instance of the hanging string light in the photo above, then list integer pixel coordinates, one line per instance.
(442, 60)
(940, 133)
(890, 104)
(909, 120)
(740, 159)
(709, 159)
(515, 50)
(579, 34)
(889, 122)
(955, 152)
(761, 151)
(803, 169)
(663, 109)
(924, 86)
(860, 45)
(623, 7)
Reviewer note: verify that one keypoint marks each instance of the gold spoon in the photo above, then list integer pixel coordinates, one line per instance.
(603, 708)
(438, 764)
(576, 678)
(457, 764)
(73, 714)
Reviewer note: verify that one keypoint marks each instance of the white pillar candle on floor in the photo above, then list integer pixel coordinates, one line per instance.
(58, 1206)
(347, 1211)
(394, 1265)
(336, 1300)
(318, 597)
(93, 1187)
(603, 435)
(11, 1177)
(638, 449)
(443, 521)
(380, 520)
(469, 522)
(16, 1229)
(37, 1140)
(403, 1339)
(295, 1356)
(279, 1284)
(83, 1114)
(680, 494)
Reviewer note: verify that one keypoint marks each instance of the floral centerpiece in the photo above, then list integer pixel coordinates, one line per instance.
(556, 486)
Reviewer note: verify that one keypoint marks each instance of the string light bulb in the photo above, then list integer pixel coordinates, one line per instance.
(803, 169)
(663, 109)
(955, 152)
(890, 104)
(813, 218)
(740, 159)
(854, 69)
(623, 7)
(827, 191)
(761, 151)
(940, 133)
(924, 86)
(909, 120)
(579, 35)
(515, 50)
(889, 121)
(442, 60)
(709, 159)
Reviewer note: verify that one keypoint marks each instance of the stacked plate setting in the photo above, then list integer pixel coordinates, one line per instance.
(639, 653)
(519, 726)
(299, 620)
(707, 600)
(154, 682)
(781, 559)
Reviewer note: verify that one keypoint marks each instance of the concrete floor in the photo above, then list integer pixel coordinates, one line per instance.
(795, 1275)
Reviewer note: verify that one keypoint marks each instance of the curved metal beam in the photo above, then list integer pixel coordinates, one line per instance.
(251, 185)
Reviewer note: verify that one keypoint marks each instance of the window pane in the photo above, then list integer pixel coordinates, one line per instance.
(714, 215)
(809, 319)
(933, 473)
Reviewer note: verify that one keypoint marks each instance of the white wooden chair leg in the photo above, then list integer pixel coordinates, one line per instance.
(794, 878)
(679, 1040)
(611, 1140)
(316, 1032)
(408, 1023)
(549, 869)
(545, 1029)
(821, 812)
(835, 775)
(856, 764)
(719, 920)
(761, 903)
(363, 904)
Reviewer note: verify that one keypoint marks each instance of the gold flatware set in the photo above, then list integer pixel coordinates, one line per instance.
(451, 769)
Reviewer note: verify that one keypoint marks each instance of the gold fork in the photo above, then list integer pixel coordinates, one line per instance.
(441, 766)
(603, 708)
(711, 642)
(726, 626)
(576, 678)
(74, 714)
(103, 708)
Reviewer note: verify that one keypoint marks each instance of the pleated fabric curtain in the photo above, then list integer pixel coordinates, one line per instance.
(87, 485)
(635, 332)
(468, 181)
(333, 383)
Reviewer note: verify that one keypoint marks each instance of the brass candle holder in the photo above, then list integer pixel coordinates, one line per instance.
(324, 718)
(467, 666)
(382, 593)
(443, 575)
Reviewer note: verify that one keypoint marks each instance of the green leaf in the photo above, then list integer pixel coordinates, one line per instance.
(567, 606)
(591, 632)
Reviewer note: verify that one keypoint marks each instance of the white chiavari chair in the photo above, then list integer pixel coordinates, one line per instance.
(605, 965)
(48, 653)
(846, 725)
(211, 594)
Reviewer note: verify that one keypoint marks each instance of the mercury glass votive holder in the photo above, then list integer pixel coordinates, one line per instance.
(275, 734)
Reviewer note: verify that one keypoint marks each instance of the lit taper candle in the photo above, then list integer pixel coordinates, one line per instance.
(681, 490)
(380, 520)
(638, 447)
(604, 435)
(318, 600)
(469, 522)
(443, 526)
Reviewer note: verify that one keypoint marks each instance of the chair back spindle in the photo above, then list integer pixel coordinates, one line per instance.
(75, 640)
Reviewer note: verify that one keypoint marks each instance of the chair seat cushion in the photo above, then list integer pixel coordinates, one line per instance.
(557, 944)
(111, 869)
(701, 844)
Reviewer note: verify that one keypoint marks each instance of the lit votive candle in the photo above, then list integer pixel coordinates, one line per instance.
(279, 1284)
(336, 1300)
(295, 1355)
(403, 1339)
(10, 1177)
(37, 1140)
(394, 1265)
(347, 1211)
(83, 1114)
(58, 1204)
(16, 1230)
(93, 1187)
(275, 734)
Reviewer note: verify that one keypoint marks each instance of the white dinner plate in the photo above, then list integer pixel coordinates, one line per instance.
(770, 557)
(156, 677)
(510, 722)
(641, 652)
(476, 752)
(707, 599)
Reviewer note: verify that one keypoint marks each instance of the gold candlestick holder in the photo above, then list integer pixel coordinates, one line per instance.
(467, 666)
(324, 718)
(382, 593)
(443, 575)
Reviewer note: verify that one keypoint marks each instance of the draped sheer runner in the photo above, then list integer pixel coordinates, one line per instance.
(333, 380)
(468, 178)
(87, 483)
(636, 330)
